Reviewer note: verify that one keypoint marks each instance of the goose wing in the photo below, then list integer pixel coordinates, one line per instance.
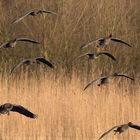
(123, 75)
(3, 45)
(92, 82)
(22, 17)
(107, 54)
(104, 134)
(135, 126)
(48, 12)
(20, 109)
(25, 61)
(8, 42)
(43, 60)
(27, 40)
(87, 44)
(120, 41)
(86, 54)
(91, 42)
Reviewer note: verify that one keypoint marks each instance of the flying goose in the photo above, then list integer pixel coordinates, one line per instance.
(34, 12)
(92, 56)
(7, 107)
(37, 60)
(103, 42)
(12, 43)
(104, 79)
(120, 129)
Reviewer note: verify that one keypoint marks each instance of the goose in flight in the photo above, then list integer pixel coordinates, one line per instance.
(34, 12)
(120, 129)
(12, 43)
(92, 56)
(104, 79)
(102, 42)
(7, 107)
(37, 60)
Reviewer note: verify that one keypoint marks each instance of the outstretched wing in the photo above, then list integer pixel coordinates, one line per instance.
(113, 128)
(120, 41)
(87, 44)
(92, 42)
(135, 126)
(43, 60)
(20, 109)
(108, 54)
(123, 75)
(48, 12)
(22, 17)
(27, 40)
(90, 83)
(19, 64)
(86, 54)
(4, 44)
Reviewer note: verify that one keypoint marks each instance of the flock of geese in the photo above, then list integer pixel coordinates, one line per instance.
(99, 43)
(7, 107)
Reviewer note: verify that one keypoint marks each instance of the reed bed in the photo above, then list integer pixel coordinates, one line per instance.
(67, 112)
